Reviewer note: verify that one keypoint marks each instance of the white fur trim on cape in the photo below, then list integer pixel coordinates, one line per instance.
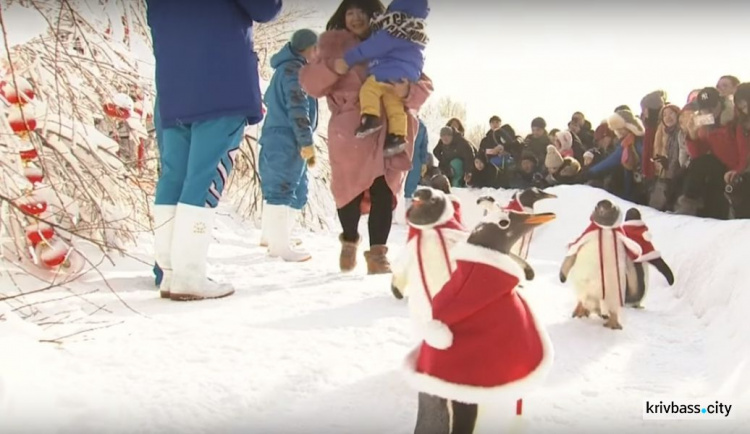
(445, 217)
(654, 254)
(438, 335)
(647, 236)
(484, 395)
(633, 223)
(482, 255)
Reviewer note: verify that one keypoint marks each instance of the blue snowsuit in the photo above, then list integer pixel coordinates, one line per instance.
(209, 90)
(392, 58)
(419, 159)
(291, 119)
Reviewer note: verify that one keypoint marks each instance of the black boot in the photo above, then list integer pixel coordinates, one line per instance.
(368, 124)
(394, 145)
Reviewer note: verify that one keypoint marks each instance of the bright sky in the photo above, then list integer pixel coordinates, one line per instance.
(533, 59)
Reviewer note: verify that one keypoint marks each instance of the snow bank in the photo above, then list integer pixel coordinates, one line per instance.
(707, 257)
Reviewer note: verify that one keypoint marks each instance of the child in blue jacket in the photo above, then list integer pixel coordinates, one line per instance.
(395, 53)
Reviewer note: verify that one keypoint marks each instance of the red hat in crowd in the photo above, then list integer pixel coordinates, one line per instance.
(603, 131)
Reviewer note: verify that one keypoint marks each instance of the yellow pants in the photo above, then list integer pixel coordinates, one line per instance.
(370, 96)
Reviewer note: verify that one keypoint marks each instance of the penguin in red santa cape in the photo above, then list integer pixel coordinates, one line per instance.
(484, 344)
(637, 271)
(596, 263)
(426, 264)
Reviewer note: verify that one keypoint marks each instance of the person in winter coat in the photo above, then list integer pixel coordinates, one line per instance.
(207, 95)
(528, 174)
(493, 143)
(581, 128)
(667, 148)
(455, 156)
(419, 162)
(538, 140)
(713, 153)
(363, 180)
(651, 106)
(564, 144)
(727, 86)
(483, 174)
(629, 131)
(738, 181)
(286, 145)
(394, 53)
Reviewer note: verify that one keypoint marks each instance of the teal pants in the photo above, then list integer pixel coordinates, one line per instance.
(196, 160)
(458, 173)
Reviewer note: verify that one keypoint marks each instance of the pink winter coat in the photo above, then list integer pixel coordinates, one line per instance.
(356, 163)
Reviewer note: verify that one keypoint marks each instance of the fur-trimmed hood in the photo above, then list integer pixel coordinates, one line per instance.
(627, 120)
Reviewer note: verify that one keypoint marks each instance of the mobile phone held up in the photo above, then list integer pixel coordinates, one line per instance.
(703, 120)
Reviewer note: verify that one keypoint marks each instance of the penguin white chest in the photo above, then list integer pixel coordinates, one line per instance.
(599, 270)
(431, 269)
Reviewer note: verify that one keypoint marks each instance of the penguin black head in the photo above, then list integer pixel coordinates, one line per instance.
(633, 214)
(502, 235)
(532, 195)
(606, 213)
(441, 182)
(427, 206)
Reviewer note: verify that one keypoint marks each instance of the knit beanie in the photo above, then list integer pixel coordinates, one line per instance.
(530, 157)
(626, 119)
(553, 160)
(566, 139)
(539, 123)
(654, 100)
(446, 131)
(623, 107)
(603, 131)
(303, 39)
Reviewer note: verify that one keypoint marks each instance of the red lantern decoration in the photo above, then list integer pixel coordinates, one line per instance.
(21, 121)
(32, 205)
(53, 253)
(13, 95)
(36, 233)
(28, 155)
(33, 174)
(113, 111)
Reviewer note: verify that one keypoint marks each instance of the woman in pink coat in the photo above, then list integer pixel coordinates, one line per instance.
(363, 181)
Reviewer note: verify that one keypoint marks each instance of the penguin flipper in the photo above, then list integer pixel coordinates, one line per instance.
(663, 269)
(567, 265)
(527, 270)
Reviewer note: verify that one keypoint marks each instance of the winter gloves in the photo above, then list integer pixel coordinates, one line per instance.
(308, 154)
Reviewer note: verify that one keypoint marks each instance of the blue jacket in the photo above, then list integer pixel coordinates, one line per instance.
(205, 64)
(613, 160)
(288, 106)
(421, 143)
(390, 58)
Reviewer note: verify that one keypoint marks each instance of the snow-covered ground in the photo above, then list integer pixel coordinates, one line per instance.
(302, 348)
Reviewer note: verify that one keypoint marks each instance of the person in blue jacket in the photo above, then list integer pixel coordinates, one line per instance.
(287, 146)
(209, 90)
(395, 52)
(419, 163)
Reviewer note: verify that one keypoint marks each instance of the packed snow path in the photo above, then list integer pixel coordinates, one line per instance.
(301, 348)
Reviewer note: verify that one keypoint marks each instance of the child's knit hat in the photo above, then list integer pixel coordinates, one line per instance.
(553, 160)
(303, 39)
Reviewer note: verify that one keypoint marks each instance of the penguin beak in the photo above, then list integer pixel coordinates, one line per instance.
(545, 195)
(530, 221)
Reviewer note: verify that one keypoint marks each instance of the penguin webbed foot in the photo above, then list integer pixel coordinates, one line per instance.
(563, 277)
(396, 293)
(664, 269)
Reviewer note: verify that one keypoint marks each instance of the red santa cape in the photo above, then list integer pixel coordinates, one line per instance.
(521, 248)
(485, 343)
(637, 231)
(632, 248)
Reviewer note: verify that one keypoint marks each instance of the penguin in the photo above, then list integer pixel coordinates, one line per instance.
(484, 344)
(596, 263)
(524, 201)
(425, 264)
(637, 271)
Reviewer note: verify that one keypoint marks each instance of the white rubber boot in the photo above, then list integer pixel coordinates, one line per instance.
(264, 230)
(279, 244)
(192, 235)
(163, 228)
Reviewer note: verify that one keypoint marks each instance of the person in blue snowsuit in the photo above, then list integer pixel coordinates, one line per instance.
(208, 87)
(395, 52)
(287, 145)
(419, 162)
